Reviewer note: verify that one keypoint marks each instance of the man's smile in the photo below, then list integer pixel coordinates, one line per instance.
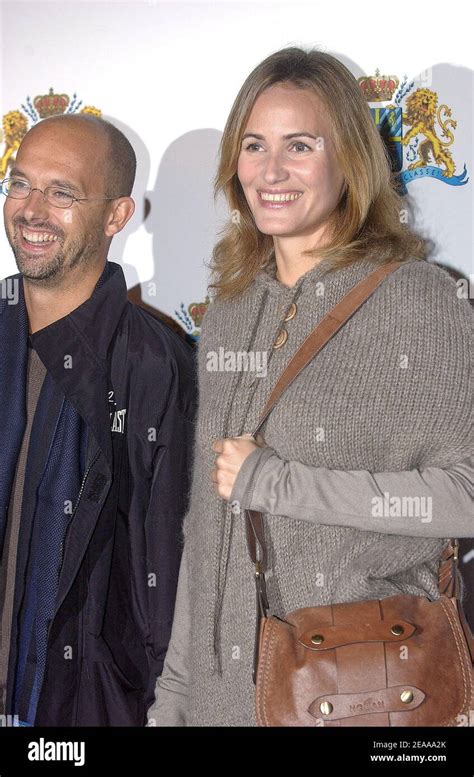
(36, 241)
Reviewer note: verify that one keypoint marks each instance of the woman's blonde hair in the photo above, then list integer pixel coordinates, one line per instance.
(367, 220)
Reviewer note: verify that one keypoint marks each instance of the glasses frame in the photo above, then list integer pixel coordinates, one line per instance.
(45, 196)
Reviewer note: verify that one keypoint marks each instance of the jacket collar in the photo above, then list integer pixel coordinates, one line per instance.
(75, 350)
(96, 319)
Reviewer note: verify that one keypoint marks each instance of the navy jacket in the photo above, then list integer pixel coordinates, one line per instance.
(133, 381)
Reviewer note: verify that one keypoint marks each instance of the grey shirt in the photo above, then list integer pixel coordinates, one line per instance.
(433, 502)
(36, 372)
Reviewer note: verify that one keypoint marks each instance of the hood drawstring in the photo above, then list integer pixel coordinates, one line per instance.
(223, 544)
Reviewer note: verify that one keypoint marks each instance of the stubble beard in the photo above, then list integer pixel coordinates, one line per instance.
(51, 271)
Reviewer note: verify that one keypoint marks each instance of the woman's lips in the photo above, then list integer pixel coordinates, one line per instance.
(274, 200)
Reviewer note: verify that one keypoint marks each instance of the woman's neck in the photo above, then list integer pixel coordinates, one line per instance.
(291, 262)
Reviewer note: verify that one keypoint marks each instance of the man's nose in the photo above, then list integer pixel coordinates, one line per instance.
(35, 206)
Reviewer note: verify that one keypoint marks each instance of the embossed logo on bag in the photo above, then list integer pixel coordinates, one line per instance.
(368, 705)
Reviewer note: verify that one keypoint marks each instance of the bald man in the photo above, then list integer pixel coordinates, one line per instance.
(97, 405)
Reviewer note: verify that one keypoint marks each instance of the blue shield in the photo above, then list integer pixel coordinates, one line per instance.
(389, 123)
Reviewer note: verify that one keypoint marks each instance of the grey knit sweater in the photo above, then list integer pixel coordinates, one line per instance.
(390, 393)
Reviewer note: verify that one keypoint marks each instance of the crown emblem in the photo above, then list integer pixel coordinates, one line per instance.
(51, 104)
(192, 317)
(378, 88)
(197, 310)
(16, 123)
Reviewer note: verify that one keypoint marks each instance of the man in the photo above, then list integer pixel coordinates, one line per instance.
(97, 401)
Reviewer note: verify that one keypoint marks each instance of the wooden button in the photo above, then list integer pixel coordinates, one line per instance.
(291, 312)
(281, 339)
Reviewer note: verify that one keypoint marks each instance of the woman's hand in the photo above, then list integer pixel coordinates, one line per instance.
(232, 453)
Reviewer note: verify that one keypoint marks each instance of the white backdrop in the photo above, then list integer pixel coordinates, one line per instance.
(167, 74)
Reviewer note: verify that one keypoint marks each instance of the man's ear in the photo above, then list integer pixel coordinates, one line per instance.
(120, 213)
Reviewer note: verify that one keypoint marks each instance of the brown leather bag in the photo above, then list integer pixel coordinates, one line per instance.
(399, 661)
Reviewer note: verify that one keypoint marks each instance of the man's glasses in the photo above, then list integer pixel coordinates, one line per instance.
(54, 195)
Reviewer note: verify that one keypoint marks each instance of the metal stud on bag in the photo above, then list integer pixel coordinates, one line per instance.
(326, 707)
(397, 630)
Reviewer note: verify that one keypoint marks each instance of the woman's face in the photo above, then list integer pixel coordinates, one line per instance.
(287, 164)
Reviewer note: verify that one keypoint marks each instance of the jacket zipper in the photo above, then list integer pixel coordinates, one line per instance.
(86, 473)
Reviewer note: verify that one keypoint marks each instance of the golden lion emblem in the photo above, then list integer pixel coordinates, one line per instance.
(420, 116)
(15, 127)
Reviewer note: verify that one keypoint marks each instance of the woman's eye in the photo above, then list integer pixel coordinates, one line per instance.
(300, 146)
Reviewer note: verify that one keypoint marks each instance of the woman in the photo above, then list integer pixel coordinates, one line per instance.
(314, 210)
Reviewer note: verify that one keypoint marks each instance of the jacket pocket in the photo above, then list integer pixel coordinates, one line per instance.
(98, 651)
(107, 698)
